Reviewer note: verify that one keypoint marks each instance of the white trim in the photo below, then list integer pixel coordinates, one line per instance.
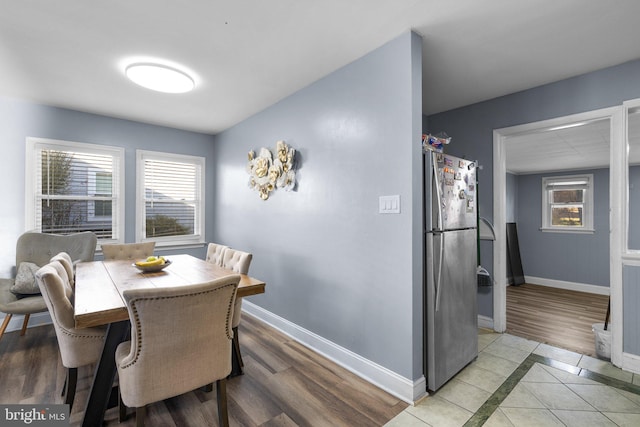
(485, 322)
(570, 286)
(500, 137)
(631, 363)
(587, 202)
(118, 176)
(199, 220)
(403, 388)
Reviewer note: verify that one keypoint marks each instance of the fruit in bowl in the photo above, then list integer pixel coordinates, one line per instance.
(152, 263)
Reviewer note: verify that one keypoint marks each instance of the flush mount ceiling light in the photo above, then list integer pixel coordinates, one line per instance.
(160, 77)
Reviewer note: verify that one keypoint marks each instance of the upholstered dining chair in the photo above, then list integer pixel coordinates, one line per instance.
(239, 262)
(215, 253)
(65, 260)
(180, 341)
(21, 295)
(128, 251)
(78, 347)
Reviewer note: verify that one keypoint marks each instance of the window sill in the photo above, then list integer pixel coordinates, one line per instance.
(568, 230)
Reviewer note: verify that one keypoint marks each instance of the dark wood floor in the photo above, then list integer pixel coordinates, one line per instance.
(554, 316)
(285, 384)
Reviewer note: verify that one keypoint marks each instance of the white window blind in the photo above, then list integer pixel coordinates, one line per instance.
(62, 182)
(170, 198)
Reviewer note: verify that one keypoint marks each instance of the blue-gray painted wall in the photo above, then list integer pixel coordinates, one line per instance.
(571, 257)
(22, 119)
(333, 264)
(471, 127)
(630, 304)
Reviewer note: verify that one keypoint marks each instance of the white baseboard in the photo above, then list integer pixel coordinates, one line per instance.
(631, 363)
(403, 388)
(37, 319)
(485, 322)
(570, 286)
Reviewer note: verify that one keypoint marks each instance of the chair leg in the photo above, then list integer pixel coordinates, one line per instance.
(72, 380)
(5, 323)
(236, 357)
(122, 409)
(223, 415)
(64, 386)
(141, 414)
(24, 324)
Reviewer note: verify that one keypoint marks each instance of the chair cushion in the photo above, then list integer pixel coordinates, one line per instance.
(10, 303)
(25, 282)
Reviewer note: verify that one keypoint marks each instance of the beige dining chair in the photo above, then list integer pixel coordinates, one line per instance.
(36, 249)
(65, 259)
(238, 262)
(180, 341)
(128, 251)
(78, 347)
(215, 253)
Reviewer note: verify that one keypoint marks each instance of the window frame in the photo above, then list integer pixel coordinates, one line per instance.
(197, 239)
(33, 193)
(583, 182)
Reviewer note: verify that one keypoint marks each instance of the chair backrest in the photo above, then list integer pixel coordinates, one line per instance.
(78, 347)
(215, 253)
(65, 260)
(180, 339)
(39, 248)
(128, 251)
(238, 261)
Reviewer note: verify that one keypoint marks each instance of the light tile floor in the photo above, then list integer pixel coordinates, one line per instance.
(516, 382)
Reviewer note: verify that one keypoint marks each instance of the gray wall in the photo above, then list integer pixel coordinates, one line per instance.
(630, 304)
(511, 198)
(472, 127)
(634, 208)
(571, 257)
(21, 119)
(333, 265)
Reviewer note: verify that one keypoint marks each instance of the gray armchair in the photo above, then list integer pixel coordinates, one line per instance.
(38, 249)
(180, 341)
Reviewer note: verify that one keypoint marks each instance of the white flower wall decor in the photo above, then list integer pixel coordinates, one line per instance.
(267, 172)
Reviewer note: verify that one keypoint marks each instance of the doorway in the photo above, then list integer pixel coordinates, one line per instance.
(558, 147)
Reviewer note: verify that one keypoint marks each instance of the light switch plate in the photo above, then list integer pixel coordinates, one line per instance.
(389, 204)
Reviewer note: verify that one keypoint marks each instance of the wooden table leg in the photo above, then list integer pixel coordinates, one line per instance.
(105, 375)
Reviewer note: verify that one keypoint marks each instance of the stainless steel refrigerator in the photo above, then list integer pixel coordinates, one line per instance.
(450, 268)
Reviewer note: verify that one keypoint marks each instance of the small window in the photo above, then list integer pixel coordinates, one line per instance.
(73, 187)
(567, 203)
(170, 202)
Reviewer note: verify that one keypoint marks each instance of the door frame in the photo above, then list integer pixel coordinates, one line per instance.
(617, 165)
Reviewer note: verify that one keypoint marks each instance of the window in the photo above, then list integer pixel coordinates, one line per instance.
(73, 187)
(567, 203)
(170, 202)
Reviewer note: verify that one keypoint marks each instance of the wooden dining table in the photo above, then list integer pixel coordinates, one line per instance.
(98, 301)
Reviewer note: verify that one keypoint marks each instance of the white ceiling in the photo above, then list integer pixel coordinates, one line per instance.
(582, 147)
(248, 54)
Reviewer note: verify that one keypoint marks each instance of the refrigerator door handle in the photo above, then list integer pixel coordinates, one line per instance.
(439, 276)
(438, 200)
